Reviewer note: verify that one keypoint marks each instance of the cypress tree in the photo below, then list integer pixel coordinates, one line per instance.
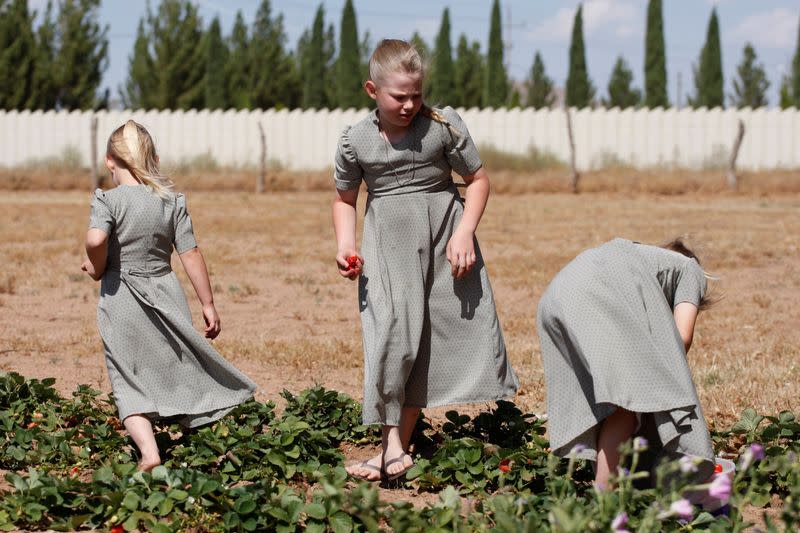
(496, 81)
(750, 90)
(708, 78)
(579, 87)
(44, 93)
(655, 62)
(795, 86)
(17, 55)
(330, 81)
(238, 67)
(620, 90)
(442, 76)
(425, 53)
(314, 64)
(141, 85)
(539, 85)
(786, 93)
(216, 58)
(468, 74)
(82, 55)
(349, 70)
(274, 80)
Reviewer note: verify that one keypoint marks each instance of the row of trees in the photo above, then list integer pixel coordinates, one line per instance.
(179, 63)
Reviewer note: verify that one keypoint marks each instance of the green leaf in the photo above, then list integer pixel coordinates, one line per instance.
(315, 510)
(131, 501)
(245, 506)
(748, 423)
(341, 523)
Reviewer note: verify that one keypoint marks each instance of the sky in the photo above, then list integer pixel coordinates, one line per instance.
(611, 28)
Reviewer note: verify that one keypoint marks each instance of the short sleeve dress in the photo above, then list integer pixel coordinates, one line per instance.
(429, 339)
(608, 339)
(159, 365)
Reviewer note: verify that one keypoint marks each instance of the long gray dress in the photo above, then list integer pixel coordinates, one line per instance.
(158, 364)
(609, 339)
(429, 340)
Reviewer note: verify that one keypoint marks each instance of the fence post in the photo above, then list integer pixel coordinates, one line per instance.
(262, 174)
(93, 152)
(575, 176)
(733, 181)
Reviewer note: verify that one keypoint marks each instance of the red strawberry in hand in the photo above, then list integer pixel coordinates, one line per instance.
(352, 262)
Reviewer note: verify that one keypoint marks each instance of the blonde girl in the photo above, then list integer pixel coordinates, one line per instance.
(158, 364)
(430, 331)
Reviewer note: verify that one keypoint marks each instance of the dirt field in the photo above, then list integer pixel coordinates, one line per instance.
(290, 321)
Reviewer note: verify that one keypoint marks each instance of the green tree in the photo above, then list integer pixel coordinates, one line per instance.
(795, 85)
(442, 75)
(620, 89)
(274, 78)
(314, 90)
(167, 67)
(579, 90)
(237, 69)
(349, 66)
(216, 58)
(82, 54)
(708, 78)
(539, 85)
(468, 74)
(496, 81)
(655, 61)
(17, 55)
(44, 89)
(750, 90)
(425, 53)
(786, 93)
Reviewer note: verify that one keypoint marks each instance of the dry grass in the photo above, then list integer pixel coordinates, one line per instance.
(290, 321)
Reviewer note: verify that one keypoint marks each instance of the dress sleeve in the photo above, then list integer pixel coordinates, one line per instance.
(347, 172)
(184, 234)
(691, 285)
(461, 152)
(101, 217)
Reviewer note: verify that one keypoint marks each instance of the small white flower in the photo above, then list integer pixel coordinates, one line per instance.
(688, 464)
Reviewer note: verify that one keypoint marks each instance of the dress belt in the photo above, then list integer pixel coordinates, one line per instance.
(144, 272)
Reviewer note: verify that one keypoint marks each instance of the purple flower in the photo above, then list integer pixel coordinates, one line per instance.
(757, 450)
(639, 444)
(619, 523)
(720, 487)
(576, 450)
(688, 464)
(683, 508)
(754, 453)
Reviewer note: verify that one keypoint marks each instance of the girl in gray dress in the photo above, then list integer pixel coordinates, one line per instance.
(615, 325)
(430, 330)
(158, 364)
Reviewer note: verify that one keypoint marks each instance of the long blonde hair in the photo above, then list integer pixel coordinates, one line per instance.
(394, 55)
(131, 147)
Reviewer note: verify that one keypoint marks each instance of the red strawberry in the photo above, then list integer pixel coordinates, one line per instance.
(118, 529)
(717, 468)
(352, 262)
(505, 465)
(32, 425)
(74, 471)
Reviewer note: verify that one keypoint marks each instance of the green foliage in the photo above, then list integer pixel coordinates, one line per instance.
(469, 71)
(496, 80)
(17, 55)
(620, 90)
(442, 70)
(655, 60)
(349, 66)
(255, 471)
(708, 78)
(44, 88)
(795, 76)
(539, 85)
(750, 89)
(216, 58)
(579, 89)
(316, 55)
(785, 97)
(238, 68)
(274, 80)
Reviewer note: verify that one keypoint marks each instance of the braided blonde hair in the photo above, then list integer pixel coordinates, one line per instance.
(395, 55)
(131, 147)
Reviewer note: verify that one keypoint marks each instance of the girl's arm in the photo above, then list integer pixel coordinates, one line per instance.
(195, 267)
(97, 251)
(461, 248)
(344, 226)
(685, 314)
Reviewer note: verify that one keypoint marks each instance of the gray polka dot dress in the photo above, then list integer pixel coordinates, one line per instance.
(429, 339)
(608, 339)
(158, 363)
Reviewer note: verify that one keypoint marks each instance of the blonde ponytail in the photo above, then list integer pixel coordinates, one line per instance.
(131, 146)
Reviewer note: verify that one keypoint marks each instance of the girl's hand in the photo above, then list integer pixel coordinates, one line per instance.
(350, 263)
(461, 253)
(213, 324)
(88, 267)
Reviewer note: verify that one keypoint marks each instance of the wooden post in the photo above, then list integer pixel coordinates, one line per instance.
(574, 176)
(733, 180)
(262, 174)
(93, 152)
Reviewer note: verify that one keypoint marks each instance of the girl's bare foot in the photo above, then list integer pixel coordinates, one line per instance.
(369, 470)
(147, 464)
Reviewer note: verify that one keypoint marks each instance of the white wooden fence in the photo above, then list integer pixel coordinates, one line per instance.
(301, 140)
